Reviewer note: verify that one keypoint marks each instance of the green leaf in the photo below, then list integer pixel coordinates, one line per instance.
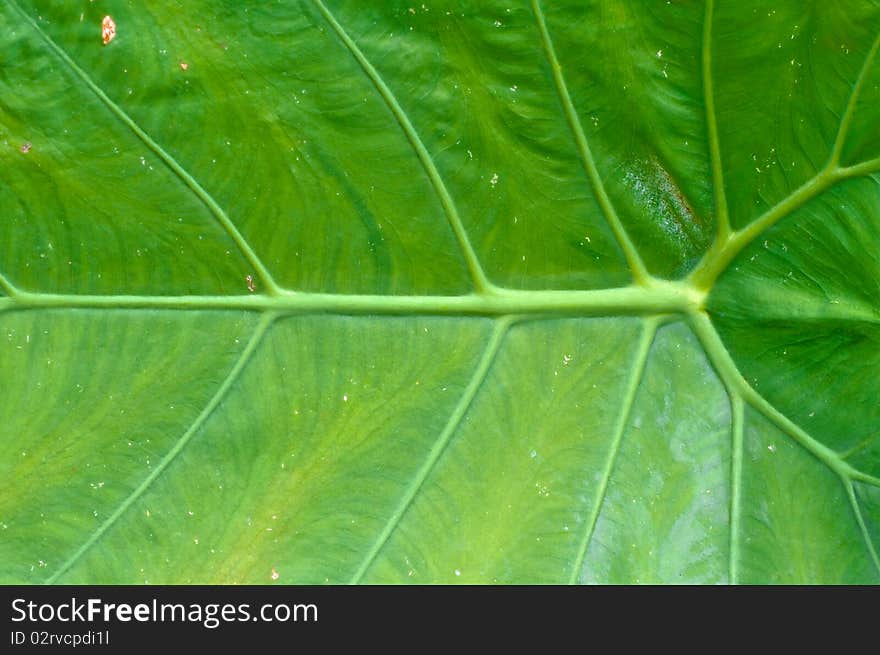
(333, 291)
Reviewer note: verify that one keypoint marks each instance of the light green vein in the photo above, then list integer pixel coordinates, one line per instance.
(722, 253)
(206, 198)
(859, 447)
(481, 282)
(856, 170)
(864, 477)
(439, 446)
(736, 468)
(639, 362)
(737, 429)
(797, 305)
(724, 250)
(181, 443)
(850, 491)
(660, 299)
(718, 258)
(721, 212)
(637, 267)
(846, 119)
(734, 380)
(739, 390)
(7, 287)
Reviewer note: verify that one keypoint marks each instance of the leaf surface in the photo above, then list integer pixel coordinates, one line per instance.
(332, 291)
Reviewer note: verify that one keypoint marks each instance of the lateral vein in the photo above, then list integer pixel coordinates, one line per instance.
(736, 468)
(636, 265)
(733, 379)
(182, 174)
(479, 278)
(181, 443)
(439, 447)
(850, 491)
(866, 167)
(848, 112)
(721, 210)
(7, 287)
(718, 259)
(640, 359)
(728, 247)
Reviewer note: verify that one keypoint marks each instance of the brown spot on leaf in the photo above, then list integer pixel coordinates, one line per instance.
(26, 147)
(183, 65)
(108, 29)
(670, 213)
(250, 283)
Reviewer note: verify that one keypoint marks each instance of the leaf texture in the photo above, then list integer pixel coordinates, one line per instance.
(323, 291)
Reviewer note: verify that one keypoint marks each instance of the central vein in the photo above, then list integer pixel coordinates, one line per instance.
(659, 298)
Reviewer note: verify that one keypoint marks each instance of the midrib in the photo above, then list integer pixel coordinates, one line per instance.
(659, 298)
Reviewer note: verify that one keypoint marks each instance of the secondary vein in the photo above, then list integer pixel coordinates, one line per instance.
(866, 167)
(734, 380)
(649, 330)
(480, 280)
(637, 267)
(7, 287)
(850, 491)
(719, 258)
(848, 112)
(721, 211)
(740, 391)
(729, 244)
(736, 468)
(860, 447)
(219, 213)
(439, 447)
(169, 457)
